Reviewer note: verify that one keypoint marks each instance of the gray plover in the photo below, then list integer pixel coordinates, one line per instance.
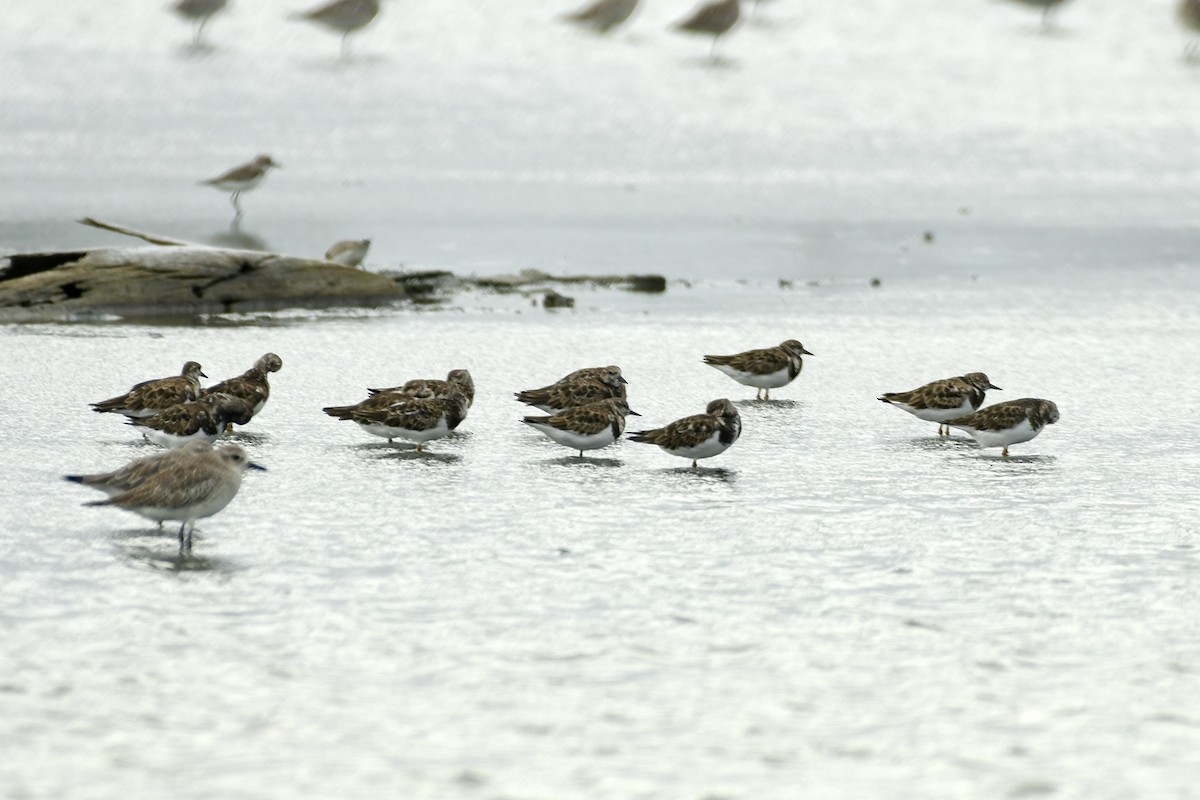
(187, 485)
(941, 400)
(766, 369)
(698, 436)
(242, 178)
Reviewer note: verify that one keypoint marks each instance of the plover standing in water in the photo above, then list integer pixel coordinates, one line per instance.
(698, 436)
(199, 12)
(713, 19)
(1008, 423)
(344, 16)
(187, 485)
(942, 400)
(586, 427)
(150, 397)
(348, 253)
(242, 179)
(768, 369)
(602, 16)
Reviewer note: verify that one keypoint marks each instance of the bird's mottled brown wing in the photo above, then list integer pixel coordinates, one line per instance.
(251, 386)
(567, 395)
(408, 413)
(588, 419)
(943, 394)
(758, 362)
(686, 432)
(376, 402)
(999, 417)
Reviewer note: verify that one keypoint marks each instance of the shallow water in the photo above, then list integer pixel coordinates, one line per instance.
(842, 605)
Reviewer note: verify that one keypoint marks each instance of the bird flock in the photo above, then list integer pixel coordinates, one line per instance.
(584, 410)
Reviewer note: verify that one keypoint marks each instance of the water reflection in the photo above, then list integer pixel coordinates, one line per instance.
(585, 461)
(236, 238)
(409, 453)
(711, 474)
(172, 560)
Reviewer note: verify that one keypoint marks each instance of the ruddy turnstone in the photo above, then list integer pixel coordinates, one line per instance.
(458, 380)
(713, 19)
(200, 420)
(602, 16)
(349, 252)
(1045, 5)
(768, 369)
(1188, 15)
(186, 485)
(610, 375)
(1008, 423)
(150, 397)
(558, 397)
(252, 385)
(586, 427)
(698, 436)
(944, 399)
(199, 12)
(343, 16)
(242, 178)
(396, 416)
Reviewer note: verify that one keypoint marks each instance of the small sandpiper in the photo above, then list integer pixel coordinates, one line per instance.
(1008, 423)
(766, 369)
(349, 252)
(713, 19)
(343, 16)
(586, 427)
(942, 400)
(252, 385)
(395, 416)
(602, 16)
(1045, 5)
(199, 12)
(242, 178)
(202, 420)
(698, 436)
(457, 380)
(150, 397)
(186, 485)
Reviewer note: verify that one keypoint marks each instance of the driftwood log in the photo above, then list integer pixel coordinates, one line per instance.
(170, 277)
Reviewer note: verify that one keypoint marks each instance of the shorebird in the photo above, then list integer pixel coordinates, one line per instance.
(242, 178)
(602, 16)
(185, 485)
(344, 16)
(769, 368)
(199, 12)
(1008, 423)
(397, 416)
(1188, 15)
(579, 388)
(587, 427)
(251, 386)
(1045, 5)
(942, 400)
(348, 253)
(150, 397)
(458, 380)
(202, 420)
(698, 436)
(713, 19)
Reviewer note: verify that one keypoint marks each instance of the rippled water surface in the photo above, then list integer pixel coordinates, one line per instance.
(842, 605)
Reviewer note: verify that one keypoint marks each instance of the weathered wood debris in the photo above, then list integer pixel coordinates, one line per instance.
(169, 277)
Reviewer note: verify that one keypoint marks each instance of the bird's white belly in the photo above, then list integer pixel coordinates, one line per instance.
(379, 429)
(938, 414)
(771, 380)
(1022, 432)
(240, 186)
(707, 449)
(173, 442)
(579, 441)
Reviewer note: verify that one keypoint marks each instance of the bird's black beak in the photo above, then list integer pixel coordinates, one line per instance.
(634, 413)
(994, 386)
(259, 467)
(621, 378)
(802, 350)
(202, 375)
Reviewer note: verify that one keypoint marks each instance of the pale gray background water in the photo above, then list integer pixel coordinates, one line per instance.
(840, 606)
